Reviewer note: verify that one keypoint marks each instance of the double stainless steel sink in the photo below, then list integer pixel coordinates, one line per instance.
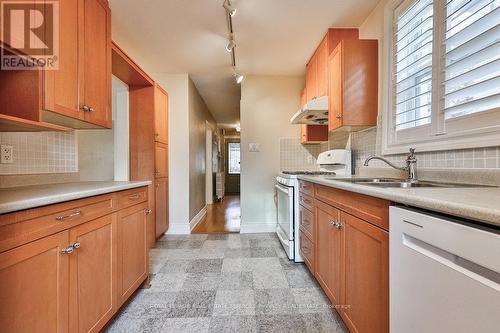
(401, 183)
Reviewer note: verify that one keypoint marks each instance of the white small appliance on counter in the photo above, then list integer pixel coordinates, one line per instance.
(335, 162)
(444, 274)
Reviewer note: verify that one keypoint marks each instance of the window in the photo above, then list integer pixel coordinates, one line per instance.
(233, 158)
(444, 77)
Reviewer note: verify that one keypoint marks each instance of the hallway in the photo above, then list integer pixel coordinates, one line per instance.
(227, 283)
(222, 217)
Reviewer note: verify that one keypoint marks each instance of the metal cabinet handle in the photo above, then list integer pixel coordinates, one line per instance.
(77, 245)
(134, 197)
(148, 211)
(157, 185)
(91, 109)
(338, 225)
(68, 250)
(65, 217)
(85, 108)
(338, 116)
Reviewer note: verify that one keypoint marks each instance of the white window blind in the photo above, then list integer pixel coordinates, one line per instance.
(472, 59)
(412, 81)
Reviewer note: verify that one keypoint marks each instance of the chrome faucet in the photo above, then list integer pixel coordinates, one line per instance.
(411, 165)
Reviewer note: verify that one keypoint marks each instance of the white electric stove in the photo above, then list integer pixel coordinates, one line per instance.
(332, 162)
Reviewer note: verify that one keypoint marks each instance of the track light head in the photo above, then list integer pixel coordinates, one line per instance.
(230, 9)
(231, 45)
(238, 77)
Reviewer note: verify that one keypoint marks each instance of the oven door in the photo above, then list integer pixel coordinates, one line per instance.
(285, 214)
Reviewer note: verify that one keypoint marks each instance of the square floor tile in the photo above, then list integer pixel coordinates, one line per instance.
(191, 244)
(205, 266)
(326, 322)
(270, 279)
(263, 252)
(202, 281)
(237, 253)
(311, 300)
(261, 264)
(167, 282)
(176, 266)
(300, 279)
(234, 302)
(231, 324)
(236, 280)
(185, 325)
(217, 236)
(211, 253)
(274, 301)
(281, 324)
(190, 304)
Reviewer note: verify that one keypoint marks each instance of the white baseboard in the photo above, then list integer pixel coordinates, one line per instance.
(250, 228)
(178, 229)
(198, 218)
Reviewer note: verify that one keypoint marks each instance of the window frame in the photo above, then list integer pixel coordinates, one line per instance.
(229, 158)
(433, 136)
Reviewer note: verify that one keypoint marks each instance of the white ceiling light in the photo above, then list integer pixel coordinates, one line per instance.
(238, 129)
(231, 45)
(230, 9)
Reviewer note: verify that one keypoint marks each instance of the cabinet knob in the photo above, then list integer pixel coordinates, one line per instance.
(157, 185)
(91, 109)
(338, 116)
(338, 225)
(147, 211)
(77, 245)
(68, 250)
(85, 108)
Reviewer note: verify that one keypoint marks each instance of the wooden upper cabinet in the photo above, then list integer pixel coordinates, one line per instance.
(353, 68)
(92, 274)
(322, 68)
(61, 86)
(161, 115)
(34, 286)
(366, 282)
(78, 94)
(161, 195)
(311, 76)
(97, 62)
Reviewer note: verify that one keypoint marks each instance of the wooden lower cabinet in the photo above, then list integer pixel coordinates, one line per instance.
(132, 249)
(366, 282)
(329, 251)
(34, 286)
(161, 200)
(92, 270)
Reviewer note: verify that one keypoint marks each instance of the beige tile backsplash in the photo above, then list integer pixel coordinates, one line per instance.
(41, 153)
(297, 157)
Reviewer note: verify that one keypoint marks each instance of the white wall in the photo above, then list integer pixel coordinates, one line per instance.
(267, 104)
(121, 130)
(178, 143)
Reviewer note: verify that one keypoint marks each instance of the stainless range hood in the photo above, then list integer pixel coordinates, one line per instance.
(315, 112)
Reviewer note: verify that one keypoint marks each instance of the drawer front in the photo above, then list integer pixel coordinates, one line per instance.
(306, 201)
(67, 215)
(307, 250)
(306, 188)
(132, 197)
(370, 209)
(306, 221)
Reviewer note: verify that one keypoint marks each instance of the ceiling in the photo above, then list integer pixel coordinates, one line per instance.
(274, 37)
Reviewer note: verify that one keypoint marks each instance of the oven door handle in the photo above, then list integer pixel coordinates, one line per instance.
(283, 189)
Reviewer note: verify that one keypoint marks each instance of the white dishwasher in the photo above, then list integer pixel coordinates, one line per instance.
(444, 274)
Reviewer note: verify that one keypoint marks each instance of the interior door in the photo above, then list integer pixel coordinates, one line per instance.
(35, 303)
(232, 156)
(92, 274)
(96, 62)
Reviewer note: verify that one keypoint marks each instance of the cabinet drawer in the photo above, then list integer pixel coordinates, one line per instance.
(132, 197)
(20, 227)
(306, 187)
(370, 209)
(307, 250)
(306, 201)
(306, 221)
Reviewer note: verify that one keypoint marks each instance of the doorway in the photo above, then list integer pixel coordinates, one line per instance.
(233, 167)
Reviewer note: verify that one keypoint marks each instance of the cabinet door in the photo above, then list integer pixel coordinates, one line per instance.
(366, 287)
(132, 250)
(61, 86)
(322, 68)
(311, 71)
(303, 134)
(335, 112)
(92, 274)
(34, 286)
(328, 251)
(161, 115)
(161, 202)
(96, 62)
(161, 160)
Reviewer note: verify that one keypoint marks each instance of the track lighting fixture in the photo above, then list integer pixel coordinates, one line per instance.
(230, 9)
(237, 76)
(231, 45)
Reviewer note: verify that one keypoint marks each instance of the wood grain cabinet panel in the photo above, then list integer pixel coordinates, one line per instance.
(311, 74)
(329, 258)
(161, 194)
(161, 161)
(132, 250)
(161, 115)
(92, 274)
(322, 68)
(366, 282)
(306, 222)
(307, 250)
(34, 286)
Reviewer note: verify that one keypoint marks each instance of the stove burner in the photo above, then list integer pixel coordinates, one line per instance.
(313, 173)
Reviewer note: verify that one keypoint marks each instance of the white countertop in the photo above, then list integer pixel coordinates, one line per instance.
(26, 197)
(477, 203)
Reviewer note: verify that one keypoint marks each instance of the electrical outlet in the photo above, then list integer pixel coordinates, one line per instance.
(7, 154)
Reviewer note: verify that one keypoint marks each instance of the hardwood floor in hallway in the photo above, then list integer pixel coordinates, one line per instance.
(222, 217)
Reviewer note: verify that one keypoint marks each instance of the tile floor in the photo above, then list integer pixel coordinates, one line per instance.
(226, 283)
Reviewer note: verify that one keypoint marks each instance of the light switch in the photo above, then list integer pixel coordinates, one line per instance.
(253, 147)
